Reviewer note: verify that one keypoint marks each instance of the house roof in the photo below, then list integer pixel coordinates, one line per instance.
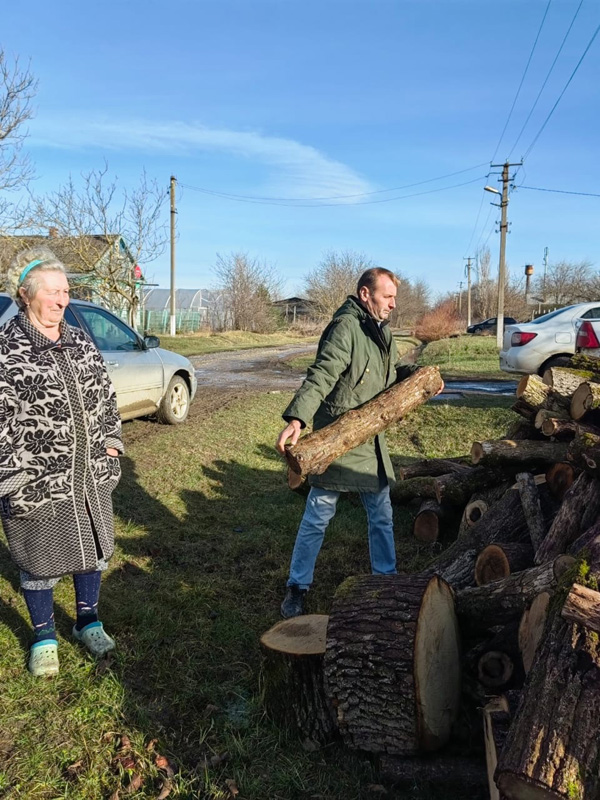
(77, 253)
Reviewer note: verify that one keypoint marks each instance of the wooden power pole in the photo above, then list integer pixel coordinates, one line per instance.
(173, 304)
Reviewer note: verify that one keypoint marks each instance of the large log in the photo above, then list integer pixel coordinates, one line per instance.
(433, 467)
(532, 508)
(585, 398)
(392, 665)
(553, 750)
(563, 381)
(312, 454)
(292, 677)
(405, 491)
(534, 394)
(583, 607)
(579, 510)
(502, 601)
(504, 452)
(456, 489)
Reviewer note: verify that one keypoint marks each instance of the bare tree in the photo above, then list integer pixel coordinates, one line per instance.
(568, 282)
(17, 90)
(334, 279)
(248, 288)
(485, 290)
(106, 231)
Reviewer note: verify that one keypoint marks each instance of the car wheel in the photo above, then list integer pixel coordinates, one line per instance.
(175, 405)
(557, 361)
(478, 332)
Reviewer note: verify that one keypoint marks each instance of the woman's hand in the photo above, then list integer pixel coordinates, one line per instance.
(110, 451)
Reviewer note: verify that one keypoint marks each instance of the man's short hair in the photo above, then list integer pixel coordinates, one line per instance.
(370, 277)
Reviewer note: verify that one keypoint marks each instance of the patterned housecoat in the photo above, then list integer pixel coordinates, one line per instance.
(58, 415)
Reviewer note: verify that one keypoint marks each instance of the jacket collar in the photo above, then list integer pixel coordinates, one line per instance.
(41, 343)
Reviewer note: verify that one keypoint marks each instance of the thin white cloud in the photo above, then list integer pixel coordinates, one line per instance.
(299, 169)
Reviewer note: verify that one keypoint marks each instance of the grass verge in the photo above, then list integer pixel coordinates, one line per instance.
(205, 526)
(465, 356)
(194, 344)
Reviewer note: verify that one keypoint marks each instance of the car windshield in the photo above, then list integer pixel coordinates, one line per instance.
(551, 315)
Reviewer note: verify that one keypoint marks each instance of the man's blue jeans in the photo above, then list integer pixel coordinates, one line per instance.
(320, 509)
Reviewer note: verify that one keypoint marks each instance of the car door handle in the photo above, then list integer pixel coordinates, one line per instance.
(112, 363)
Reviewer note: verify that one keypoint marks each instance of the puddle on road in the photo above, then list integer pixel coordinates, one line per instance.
(454, 389)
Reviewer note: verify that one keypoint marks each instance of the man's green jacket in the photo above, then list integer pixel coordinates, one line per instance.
(356, 360)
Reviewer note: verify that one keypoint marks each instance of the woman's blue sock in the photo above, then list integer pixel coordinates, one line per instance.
(40, 603)
(87, 592)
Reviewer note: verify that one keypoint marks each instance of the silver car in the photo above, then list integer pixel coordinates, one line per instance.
(147, 379)
(548, 341)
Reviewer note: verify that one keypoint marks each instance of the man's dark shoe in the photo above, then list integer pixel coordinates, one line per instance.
(293, 602)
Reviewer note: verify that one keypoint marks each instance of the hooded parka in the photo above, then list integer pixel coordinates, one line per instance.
(356, 360)
(58, 416)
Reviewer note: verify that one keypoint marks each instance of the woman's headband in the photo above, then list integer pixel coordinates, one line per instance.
(28, 268)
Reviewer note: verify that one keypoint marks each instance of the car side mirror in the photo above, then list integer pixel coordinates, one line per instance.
(151, 341)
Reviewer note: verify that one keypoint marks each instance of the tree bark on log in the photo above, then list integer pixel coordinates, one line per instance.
(563, 381)
(312, 454)
(405, 491)
(497, 561)
(531, 628)
(504, 452)
(446, 773)
(434, 467)
(553, 752)
(533, 393)
(532, 508)
(392, 664)
(293, 653)
(426, 525)
(559, 478)
(583, 364)
(584, 453)
(479, 503)
(585, 398)
(579, 510)
(543, 414)
(458, 488)
(502, 601)
(588, 544)
(583, 607)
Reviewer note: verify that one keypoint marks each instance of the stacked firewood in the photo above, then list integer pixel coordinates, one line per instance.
(505, 619)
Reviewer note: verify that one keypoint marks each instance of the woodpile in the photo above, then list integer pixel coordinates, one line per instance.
(502, 626)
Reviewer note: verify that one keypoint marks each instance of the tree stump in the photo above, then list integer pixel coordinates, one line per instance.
(392, 664)
(292, 674)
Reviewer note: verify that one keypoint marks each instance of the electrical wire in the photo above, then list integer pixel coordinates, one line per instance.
(535, 102)
(560, 191)
(512, 108)
(333, 197)
(316, 204)
(566, 86)
(477, 218)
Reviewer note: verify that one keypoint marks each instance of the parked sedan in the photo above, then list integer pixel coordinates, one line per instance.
(548, 341)
(147, 379)
(489, 326)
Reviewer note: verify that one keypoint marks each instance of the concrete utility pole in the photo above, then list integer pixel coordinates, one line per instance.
(502, 261)
(460, 285)
(468, 273)
(173, 304)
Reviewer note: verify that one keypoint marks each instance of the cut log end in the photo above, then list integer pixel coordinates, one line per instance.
(475, 511)
(427, 527)
(300, 636)
(477, 452)
(495, 669)
(560, 477)
(531, 628)
(491, 565)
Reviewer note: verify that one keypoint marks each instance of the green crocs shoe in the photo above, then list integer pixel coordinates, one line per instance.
(93, 636)
(43, 658)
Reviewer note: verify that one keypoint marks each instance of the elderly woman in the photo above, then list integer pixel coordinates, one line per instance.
(60, 437)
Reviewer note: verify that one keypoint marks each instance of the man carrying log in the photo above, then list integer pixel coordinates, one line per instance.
(356, 360)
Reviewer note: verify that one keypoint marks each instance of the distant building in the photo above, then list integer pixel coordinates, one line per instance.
(295, 308)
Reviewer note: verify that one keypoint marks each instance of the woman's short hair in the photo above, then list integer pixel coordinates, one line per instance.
(370, 277)
(30, 282)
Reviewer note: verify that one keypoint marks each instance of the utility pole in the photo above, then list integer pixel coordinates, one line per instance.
(460, 285)
(468, 272)
(502, 261)
(173, 304)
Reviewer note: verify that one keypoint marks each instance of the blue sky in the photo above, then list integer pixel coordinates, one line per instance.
(335, 98)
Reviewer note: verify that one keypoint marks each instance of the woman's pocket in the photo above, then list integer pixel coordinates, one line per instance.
(32, 501)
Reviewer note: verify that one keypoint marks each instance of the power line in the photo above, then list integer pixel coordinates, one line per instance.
(546, 78)
(333, 197)
(316, 204)
(512, 108)
(560, 191)
(552, 110)
(477, 218)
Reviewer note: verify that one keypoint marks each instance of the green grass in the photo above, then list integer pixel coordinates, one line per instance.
(194, 344)
(205, 526)
(465, 356)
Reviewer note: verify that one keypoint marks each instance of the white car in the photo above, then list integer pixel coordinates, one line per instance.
(548, 341)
